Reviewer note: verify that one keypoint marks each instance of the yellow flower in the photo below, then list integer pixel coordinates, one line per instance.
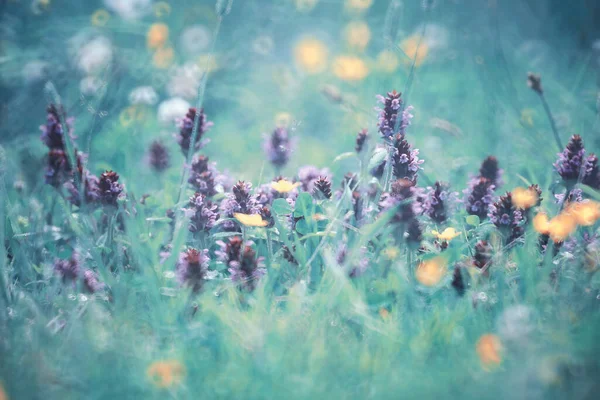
(213, 62)
(157, 36)
(358, 5)
(166, 373)
(311, 55)
(357, 35)
(100, 17)
(161, 9)
(586, 213)
(448, 234)
(163, 58)
(250, 219)
(305, 5)
(561, 226)
(350, 68)
(541, 224)
(3, 395)
(283, 186)
(524, 198)
(387, 61)
(527, 117)
(431, 271)
(488, 348)
(415, 48)
(391, 253)
(283, 120)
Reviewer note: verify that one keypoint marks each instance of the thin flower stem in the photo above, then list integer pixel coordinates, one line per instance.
(552, 122)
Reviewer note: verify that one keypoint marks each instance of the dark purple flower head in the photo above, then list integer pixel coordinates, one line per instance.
(68, 269)
(308, 174)
(278, 147)
(243, 264)
(356, 267)
(266, 215)
(591, 173)
(91, 190)
(388, 115)
(53, 132)
(507, 218)
(483, 255)
(58, 170)
(109, 188)
(437, 202)
(570, 161)
(358, 206)
(458, 282)
(192, 268)
(158, 156)
(203, 213)
(91, 283)
(361, 139)
(534, 81)
(202, 176)
(405, 160)
(402, 196)
(186, 129)
(322, 189)
(414, 233)
(478, 197)
(240, 200)
(490, 170)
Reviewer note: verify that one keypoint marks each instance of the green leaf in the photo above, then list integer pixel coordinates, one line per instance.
(378, 156)
(304, 205)
(472, 220)
(343, 156)
(281, 207)
(302, 227)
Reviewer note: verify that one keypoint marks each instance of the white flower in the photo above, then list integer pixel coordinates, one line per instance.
(195, 40)
(93, 56)
(143, 95)
(185, 81)
(172, 109)
(129, 9)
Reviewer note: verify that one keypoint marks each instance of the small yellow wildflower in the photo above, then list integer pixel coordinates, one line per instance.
(163, 58)
(162, 9)
(448, 234)
(524, 198)
(350, 68)
(387, 61)
(358, 5)
(527, 117)
(541, 224)
(250, 219)
(391, 253)
(283, 120)
(305, 5)
(283, 186)
(488, 348)
(431, 271)
(157, 36)
(561, 226)
(357, 35)
(311, 55)
(415, 48)
(586, 213)
(166, 373)
(100, 17)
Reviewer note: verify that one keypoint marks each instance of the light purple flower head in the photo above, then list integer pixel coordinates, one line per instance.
(53, 132)
(479, 196)
(243, 265)
(240, 200)
(388, 115)
(203, 213)
(192, 268)
(405, 160)
(570, 160)
(186, 130)
(308, 175)
(278, 146)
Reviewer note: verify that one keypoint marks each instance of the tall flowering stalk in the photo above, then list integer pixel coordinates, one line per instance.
(534, 81)
(437, 201)
(202, 176)
(405, 160)
(240, 200)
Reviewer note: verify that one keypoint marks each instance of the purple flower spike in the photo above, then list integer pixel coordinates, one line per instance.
(405, 161)
(479, 197)
(202, 176)
(490, 170)
(186, 128)
(203, 212)
(243, 264)
(278, 147)
(507, 218)
(109, 188)
(437, 202)
(158, 156)
(570, 161)
(192, 268)
(53, 132)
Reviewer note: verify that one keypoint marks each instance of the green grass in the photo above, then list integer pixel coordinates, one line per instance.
(308, 330)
